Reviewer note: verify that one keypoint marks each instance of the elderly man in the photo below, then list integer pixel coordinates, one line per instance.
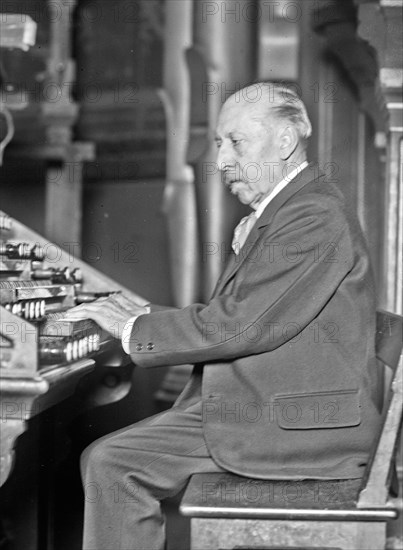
(284, 383)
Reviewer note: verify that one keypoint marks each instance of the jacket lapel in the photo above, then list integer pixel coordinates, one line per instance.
(235, 261)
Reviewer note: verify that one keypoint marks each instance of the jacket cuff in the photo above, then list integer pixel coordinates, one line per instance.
(127, 330)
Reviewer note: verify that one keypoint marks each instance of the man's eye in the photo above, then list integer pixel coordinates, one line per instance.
(218, 144)
(236, 141)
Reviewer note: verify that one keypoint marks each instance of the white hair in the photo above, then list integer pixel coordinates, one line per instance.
(282, 102)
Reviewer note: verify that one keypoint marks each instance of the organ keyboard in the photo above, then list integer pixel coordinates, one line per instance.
(43, 356)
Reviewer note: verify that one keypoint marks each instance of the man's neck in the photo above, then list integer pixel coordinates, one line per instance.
(294, 169)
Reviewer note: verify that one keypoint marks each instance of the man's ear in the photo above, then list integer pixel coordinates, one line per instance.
(288, 142)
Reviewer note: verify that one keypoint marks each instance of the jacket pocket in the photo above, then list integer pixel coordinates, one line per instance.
(315, 410)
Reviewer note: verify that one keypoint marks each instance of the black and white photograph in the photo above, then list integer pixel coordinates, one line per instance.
(201, 289)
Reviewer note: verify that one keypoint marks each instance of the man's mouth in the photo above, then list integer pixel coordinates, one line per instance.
(231, 177)
(229, 182)
(233, 184)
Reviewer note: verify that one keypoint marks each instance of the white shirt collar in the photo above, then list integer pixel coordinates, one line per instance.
(279, 187)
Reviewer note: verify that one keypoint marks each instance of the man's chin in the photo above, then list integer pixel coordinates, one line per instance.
(243, 197)
(240, 193)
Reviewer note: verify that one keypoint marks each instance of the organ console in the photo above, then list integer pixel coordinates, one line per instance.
(44, 357)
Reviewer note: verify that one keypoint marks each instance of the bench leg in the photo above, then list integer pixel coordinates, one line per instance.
(230, 534)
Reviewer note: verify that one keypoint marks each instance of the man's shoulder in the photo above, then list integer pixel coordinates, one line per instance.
(320, 184)
(317, 197)
(309, 190)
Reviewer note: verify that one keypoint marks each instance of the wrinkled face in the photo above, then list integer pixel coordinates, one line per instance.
(248, 150)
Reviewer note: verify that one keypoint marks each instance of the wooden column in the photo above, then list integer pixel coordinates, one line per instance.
(210, 53)
(64, 180)
(64, 173)
(179, 198)
(381, 25)
(225, 43)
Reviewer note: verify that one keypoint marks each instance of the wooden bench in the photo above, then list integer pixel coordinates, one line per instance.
(228, 511)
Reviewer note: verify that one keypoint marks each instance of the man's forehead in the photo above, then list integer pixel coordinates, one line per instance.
(243, 104)
(237, 113)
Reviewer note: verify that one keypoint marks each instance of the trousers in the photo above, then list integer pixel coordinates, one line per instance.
(128, 473)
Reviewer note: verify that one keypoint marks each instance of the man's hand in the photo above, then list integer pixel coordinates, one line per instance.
(111, 313)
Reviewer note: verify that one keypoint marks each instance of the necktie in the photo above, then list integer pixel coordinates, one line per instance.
(242, 231)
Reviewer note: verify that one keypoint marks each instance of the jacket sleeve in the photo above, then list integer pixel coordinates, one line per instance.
(291, 272)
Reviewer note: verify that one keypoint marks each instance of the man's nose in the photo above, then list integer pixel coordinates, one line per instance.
(224, 157)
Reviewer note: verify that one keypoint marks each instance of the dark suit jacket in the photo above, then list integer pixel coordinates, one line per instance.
(286, 343)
